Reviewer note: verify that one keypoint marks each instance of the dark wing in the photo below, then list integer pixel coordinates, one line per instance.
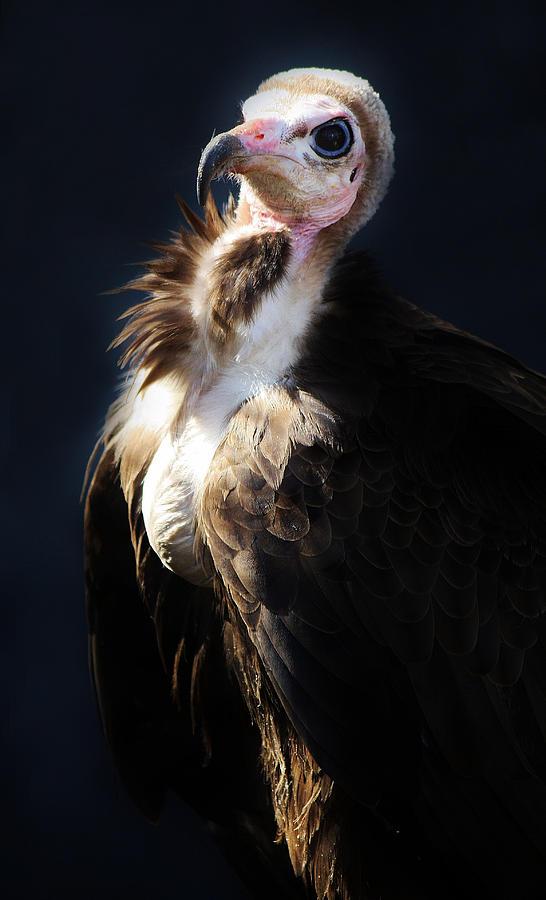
(171, 712)
(389, 562)
(132, 688)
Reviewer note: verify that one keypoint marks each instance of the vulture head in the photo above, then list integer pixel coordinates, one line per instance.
(314, 153)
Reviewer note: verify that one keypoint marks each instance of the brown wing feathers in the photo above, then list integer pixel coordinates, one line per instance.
(416, 538)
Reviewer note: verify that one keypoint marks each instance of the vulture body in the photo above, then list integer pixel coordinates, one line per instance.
(316, 539)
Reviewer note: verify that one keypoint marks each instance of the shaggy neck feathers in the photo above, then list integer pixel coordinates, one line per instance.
(229, 308)
(207, 289)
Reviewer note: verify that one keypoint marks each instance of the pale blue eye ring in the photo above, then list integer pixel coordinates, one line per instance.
(332, 139)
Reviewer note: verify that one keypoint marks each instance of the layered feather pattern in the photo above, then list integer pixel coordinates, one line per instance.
(417, 522)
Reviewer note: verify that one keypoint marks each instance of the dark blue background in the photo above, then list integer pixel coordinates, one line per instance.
(109, 105)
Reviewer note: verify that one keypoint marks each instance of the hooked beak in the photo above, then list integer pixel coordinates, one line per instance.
(230, 151)
(215, 161)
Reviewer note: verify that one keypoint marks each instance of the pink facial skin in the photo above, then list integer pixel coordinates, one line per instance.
(260, 135)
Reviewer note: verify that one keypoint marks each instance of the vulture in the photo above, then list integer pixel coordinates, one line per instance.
(315, 539)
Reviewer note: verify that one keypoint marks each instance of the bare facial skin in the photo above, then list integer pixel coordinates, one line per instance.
(284, 170)
(286, 180)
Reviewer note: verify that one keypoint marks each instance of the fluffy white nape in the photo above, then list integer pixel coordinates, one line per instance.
(341, 76)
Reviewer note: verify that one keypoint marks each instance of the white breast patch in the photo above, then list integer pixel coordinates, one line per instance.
(266, 349)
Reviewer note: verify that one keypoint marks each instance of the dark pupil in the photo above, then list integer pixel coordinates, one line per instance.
(331, 138)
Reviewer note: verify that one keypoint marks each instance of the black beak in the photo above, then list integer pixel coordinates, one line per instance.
(214, 159)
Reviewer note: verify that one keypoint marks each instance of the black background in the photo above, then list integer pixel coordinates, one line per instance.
(109, 105)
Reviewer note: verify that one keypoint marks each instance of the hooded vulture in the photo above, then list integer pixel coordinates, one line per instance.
(316, 539)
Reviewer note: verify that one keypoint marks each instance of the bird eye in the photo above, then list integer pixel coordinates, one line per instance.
(332, 139)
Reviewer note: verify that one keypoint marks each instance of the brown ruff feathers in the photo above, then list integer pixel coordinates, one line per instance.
(160, 329)
(252, 265)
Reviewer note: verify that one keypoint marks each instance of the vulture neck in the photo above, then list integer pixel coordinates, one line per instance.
(314, 245)
(260, 287)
